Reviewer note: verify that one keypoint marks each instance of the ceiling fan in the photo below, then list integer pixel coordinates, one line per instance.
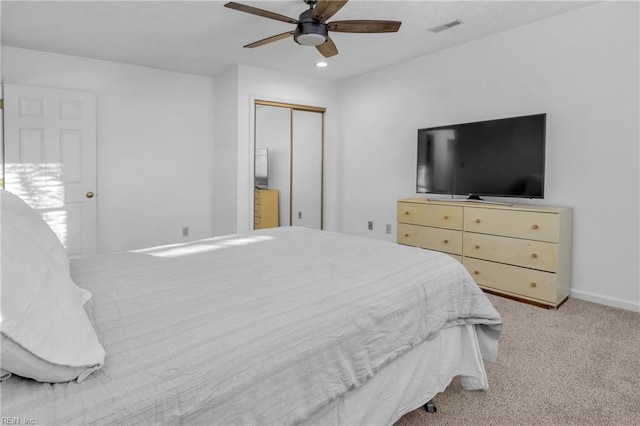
(312, 28)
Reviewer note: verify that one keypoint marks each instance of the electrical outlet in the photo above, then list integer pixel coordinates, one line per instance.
(388, 228)
(299, 215)
(185, 231)
(370, 226)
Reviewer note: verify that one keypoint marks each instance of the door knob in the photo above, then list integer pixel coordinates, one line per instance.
(89, 194)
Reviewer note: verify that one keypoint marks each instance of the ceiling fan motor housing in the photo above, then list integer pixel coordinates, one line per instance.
(309, 31)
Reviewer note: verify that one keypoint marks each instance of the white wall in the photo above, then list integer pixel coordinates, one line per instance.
(1, 115)
(155, 144)
(225, 160)
(581, 68)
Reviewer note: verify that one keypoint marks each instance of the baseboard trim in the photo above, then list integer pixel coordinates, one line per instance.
(605, 300)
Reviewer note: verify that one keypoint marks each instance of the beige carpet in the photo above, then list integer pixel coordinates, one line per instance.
(579, 365)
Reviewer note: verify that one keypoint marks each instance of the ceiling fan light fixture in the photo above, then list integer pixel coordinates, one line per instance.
(312, 28)
(311, 39)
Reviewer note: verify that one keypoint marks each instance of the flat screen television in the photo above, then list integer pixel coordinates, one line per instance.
(502, 158)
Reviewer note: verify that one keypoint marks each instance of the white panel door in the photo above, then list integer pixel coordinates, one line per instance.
(306, 165)
(50, 159)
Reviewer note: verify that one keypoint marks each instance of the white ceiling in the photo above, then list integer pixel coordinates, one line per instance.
(203, 37)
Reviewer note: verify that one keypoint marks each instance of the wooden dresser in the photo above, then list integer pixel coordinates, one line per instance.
(521, 251)
(265, 208)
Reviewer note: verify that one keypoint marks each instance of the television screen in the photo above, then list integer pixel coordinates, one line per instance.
(503, 157)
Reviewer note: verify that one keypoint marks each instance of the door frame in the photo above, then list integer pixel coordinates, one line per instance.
(292, 107)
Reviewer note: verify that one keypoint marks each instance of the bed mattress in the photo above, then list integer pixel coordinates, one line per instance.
(268, 327)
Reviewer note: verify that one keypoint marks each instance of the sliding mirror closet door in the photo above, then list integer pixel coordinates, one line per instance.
(288, 165)
(306, 169)
(273, 147)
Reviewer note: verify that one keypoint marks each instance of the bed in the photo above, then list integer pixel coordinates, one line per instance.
(272, 327)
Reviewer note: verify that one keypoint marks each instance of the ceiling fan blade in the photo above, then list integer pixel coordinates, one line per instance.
(260, 12)
(328, 48)
(364, 26)
(325, 9)
(269, 39)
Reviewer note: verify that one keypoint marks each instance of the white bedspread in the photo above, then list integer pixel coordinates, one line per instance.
(261, 328)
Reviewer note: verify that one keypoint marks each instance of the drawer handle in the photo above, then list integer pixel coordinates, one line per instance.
(476, 272)
(477, 246)
(446, 241)
(446, 218)
(534, 255)
(533, 285)
(406, 235)
(478, 220)
(535, 226)
(406, 212)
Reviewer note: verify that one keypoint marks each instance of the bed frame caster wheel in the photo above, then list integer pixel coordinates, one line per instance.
(430, 406)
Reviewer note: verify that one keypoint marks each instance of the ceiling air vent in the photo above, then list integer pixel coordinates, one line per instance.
(445, 26)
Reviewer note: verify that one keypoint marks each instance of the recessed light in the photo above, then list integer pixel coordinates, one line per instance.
(321, 64)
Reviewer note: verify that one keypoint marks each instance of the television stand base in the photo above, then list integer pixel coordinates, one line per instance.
(471, 199)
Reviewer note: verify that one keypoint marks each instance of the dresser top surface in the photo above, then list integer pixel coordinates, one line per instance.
(487, 205)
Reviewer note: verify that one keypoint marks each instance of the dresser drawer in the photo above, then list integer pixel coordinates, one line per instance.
(513, 223)
(449, 217)
(513, 279)
(531, 254)
(265, 208)
(445, 240)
